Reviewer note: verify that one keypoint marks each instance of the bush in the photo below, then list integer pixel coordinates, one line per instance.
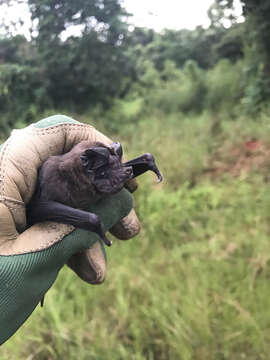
(180, 90)
(225, 86)
(22, 95)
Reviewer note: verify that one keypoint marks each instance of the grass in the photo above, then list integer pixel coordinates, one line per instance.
(194, 285)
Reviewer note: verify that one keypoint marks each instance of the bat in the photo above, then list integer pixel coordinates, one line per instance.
(68, 183)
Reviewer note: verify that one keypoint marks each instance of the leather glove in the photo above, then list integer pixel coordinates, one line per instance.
(30, 258)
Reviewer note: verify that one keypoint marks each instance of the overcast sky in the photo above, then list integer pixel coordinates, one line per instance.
(156, 14)
(173, 14)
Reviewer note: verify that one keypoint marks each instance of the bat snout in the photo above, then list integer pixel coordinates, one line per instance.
(142, 164)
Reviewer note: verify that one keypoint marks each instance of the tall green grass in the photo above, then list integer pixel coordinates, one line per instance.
(194, 285)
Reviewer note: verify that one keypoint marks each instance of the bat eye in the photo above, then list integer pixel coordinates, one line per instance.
(102, 174)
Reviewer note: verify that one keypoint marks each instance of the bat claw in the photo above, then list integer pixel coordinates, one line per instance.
(107, 241)
(97, 226)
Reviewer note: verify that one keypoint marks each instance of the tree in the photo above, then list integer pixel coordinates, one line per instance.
(180, 46)
(257, 44)
(13, 50)
(63, 70)
(222, 13)
(231, 44)
(86, 68)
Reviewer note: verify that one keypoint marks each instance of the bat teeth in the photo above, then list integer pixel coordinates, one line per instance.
(160, 178)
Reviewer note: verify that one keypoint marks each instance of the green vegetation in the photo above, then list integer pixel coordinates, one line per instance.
(194, 284)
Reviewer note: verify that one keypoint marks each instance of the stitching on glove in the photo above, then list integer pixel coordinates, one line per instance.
(63, 233)
(57, 128)
(14, 201)
(11, 208)
(3, 159)
(40, 248)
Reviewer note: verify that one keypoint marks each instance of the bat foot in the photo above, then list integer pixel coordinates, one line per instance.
(98, 227)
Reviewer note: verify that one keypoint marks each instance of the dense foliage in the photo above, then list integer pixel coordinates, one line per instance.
(53, 72)
(108, 62)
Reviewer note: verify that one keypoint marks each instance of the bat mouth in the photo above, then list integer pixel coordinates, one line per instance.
(128, 172)
(114, 184)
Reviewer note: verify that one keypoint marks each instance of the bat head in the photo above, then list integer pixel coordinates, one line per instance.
(103, 166)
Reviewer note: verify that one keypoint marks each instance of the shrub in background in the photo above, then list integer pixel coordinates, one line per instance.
(225, 86)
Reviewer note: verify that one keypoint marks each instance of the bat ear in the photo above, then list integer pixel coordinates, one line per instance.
(117, 149)
(94, 158)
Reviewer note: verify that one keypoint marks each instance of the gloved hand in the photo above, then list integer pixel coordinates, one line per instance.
(30, 259)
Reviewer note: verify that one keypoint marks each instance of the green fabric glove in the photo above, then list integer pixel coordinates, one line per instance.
(30, 259)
